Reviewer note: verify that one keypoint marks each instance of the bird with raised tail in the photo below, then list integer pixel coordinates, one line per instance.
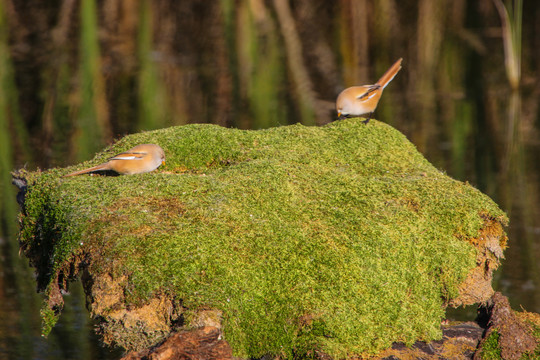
(360, 100)
(140, 159)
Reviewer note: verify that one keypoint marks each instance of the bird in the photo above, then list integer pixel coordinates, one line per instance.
(360, 100)
(140, 159)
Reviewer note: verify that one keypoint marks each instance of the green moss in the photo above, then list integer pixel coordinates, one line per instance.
(345, 225)
(49, 318)
(491, 349)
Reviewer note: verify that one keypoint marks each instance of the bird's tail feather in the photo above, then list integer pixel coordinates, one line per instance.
(390, 73)
(105, 166)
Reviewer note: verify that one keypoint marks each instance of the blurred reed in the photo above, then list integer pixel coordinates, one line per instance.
(93, 127)
(260, 71)
(429, 47)
(302, 89)
(13, 136)
(246, 63)
(153, 111)
(511, 16)
(354, 42)
(457, 111)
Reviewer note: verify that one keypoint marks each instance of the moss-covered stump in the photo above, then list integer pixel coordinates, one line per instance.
(204, 343)
(339, 239)
(510, 335)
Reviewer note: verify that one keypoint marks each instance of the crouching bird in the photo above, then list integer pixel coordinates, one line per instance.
(360, 100)
(140, 159)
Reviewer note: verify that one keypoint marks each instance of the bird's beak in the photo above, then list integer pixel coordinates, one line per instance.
(339, 114)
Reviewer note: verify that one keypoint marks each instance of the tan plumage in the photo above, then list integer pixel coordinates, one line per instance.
(140, 159)
(360, 100)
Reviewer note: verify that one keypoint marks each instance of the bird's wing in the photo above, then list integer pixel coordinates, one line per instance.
(130, 155)
(369, 93)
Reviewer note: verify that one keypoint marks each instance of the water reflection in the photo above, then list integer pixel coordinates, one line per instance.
(257, 64)
(20, 324)
(519, 183)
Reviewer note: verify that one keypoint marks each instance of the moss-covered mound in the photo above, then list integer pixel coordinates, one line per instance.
(340, 239)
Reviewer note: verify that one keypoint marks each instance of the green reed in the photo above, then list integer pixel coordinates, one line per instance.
(260, 71)
(512, 21)
(152, 95)
(9, 119)
(93, 123)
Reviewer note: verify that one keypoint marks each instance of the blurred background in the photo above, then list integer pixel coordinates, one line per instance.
(77, 74)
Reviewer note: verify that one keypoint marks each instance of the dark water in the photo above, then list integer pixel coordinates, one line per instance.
(20, 324)
(237, 64)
